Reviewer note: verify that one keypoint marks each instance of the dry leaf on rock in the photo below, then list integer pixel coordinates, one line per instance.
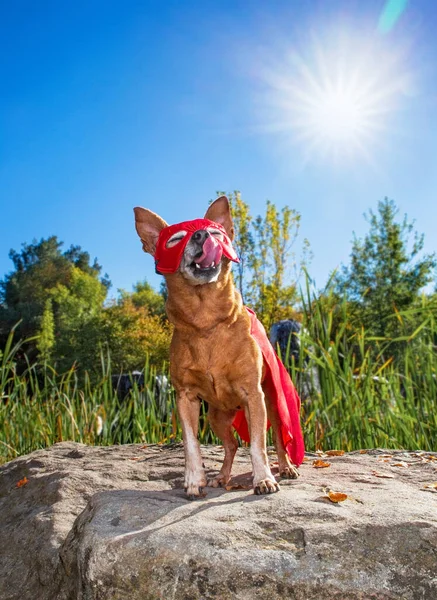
(336, 496)
(22, 482)
(431, 486)
(320, 464)
(401, 463)
(383, 475)
(334, 452)
(364, 451)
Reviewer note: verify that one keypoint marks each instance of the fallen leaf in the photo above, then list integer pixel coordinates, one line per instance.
(135, 458)
(364, 451)
(383, 475)
(22, 482)
(431, 486)
(402, 463)
(334, 452)
(386, 460)
(336, 496)
(320, 464)
(144, 447)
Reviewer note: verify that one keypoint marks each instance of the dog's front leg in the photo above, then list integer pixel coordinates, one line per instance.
(195, 479)
(256, 415)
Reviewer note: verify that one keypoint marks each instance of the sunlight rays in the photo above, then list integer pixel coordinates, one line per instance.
(337, 99)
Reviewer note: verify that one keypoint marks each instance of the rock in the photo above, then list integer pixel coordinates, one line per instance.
(98, 523)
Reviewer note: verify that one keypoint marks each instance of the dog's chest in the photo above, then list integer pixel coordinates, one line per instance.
(216, 368)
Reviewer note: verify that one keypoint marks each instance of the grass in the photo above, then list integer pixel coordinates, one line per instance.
(374, 392)
(365, 398)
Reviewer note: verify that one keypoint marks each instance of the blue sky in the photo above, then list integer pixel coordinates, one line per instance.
(108, 105)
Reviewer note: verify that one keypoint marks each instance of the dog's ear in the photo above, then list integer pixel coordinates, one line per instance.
(220, 212)
(148, 226)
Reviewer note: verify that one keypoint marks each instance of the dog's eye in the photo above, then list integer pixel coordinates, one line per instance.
(175, 239)
(216, 233)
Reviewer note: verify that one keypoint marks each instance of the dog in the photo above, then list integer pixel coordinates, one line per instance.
(214, 355)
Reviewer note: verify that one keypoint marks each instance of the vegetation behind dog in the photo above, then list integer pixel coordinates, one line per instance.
(366, 398)
(368, 340)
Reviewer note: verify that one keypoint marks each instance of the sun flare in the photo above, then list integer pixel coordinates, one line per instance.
(336, 100)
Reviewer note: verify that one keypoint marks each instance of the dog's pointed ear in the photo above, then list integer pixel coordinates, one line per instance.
(220, 212)
(148, 226)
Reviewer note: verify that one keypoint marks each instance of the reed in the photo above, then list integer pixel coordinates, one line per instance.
(366, 392)
(360, 395)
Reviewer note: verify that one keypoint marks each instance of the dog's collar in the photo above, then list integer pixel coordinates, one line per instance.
(167, 260)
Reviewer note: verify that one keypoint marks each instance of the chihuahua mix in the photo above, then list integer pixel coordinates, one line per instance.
(220, 352)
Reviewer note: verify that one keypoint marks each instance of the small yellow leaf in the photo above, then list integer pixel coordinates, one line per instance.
(431, 486)
(337, 496)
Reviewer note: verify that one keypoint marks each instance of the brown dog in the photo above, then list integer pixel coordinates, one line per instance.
(213, 356)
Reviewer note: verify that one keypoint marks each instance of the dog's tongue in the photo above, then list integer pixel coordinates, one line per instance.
(211, 253)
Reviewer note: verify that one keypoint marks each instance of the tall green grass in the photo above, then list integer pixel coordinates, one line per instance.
(39, 407)
(373, 392)
(366, 398)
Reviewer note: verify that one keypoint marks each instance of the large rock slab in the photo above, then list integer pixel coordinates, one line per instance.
(95, 523)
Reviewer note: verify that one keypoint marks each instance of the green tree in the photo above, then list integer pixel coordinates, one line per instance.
(387, 271)
(43, 272)
(136, 327)
(46, 336)
(145, 296)
(269, 268)
(78, 309)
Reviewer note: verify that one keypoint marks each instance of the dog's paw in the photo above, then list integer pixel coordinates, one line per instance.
(288, 472)
(219, 480)
(266, 486)
(194, 492)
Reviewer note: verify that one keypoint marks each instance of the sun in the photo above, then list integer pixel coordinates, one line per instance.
(336, 100)
(339, 115)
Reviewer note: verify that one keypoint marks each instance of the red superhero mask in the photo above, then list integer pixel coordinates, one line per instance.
(170, 247)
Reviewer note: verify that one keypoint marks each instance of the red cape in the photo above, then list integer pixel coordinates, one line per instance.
(281, 390)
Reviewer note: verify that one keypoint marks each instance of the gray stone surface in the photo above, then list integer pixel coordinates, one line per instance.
(113, 523)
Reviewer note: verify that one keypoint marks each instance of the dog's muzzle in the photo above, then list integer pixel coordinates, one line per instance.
(211, 251)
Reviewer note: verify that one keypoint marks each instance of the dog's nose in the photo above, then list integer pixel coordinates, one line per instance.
(200, 236)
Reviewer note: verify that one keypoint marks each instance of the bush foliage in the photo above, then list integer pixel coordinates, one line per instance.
(368, 340)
